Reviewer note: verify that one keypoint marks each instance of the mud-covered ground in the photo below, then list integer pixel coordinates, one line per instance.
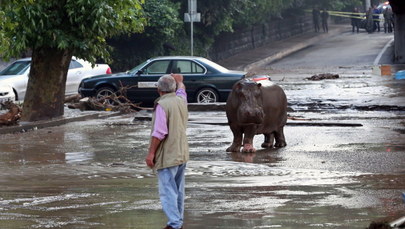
(332, 174)
(343, 167)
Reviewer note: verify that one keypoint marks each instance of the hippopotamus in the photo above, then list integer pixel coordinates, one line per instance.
(256, 105)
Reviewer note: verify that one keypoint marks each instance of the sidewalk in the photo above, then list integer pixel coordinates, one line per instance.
(251, 59)
(71, 115)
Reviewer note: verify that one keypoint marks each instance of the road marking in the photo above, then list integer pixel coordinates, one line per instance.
(377, 59)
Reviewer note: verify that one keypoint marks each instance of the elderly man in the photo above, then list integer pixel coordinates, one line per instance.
(168, 149)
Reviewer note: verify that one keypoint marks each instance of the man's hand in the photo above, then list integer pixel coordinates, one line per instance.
(150, 160)
(177, 77)
(179, 80)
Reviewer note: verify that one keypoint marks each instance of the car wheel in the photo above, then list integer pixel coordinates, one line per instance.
(105, 92)
(207, 95)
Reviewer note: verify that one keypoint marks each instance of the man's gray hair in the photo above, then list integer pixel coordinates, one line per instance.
(166, 83)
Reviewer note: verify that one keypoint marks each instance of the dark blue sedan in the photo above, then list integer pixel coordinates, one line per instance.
(206, 81)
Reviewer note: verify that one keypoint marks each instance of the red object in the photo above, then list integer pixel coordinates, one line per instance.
(261, 78)
(108, 71)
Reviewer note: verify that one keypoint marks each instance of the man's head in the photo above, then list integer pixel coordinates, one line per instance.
(166, 84)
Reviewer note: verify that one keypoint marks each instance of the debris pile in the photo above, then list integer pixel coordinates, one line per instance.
(323, 76)
(12, 116)
(117, 101)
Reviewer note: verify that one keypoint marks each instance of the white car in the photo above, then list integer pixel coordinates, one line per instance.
(16, 75)
(6, 93)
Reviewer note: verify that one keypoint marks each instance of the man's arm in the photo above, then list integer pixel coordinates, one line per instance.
(159, 134)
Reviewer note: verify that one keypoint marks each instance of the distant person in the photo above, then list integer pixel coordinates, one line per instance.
(316, 16)
(369, 21)
(376, 18)
(324, 17)
(355, 20)
(388, 20)
(168, 147)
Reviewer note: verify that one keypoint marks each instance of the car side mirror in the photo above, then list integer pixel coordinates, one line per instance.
(139, 72)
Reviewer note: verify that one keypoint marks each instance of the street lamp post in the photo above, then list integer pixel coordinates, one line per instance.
(192, 16)
(367, 4)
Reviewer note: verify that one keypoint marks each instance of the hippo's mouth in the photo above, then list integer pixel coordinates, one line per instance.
(250, 121)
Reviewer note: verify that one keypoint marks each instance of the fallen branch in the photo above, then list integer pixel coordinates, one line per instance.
(117, 101)
(73, 98)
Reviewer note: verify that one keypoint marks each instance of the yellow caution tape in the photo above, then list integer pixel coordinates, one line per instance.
(348, 14)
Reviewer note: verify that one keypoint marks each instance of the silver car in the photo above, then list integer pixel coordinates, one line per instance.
(16, 75)
(6, 93)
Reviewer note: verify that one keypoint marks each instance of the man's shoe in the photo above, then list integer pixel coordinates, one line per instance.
(169, 227)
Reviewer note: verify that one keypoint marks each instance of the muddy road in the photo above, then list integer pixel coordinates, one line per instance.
(343, 166)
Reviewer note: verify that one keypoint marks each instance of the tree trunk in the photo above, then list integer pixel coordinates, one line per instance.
(398, 7)
(46, 84)
(399, 39)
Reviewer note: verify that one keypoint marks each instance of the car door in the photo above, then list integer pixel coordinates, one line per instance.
(74, 76)
(193, 73)
(147, 77)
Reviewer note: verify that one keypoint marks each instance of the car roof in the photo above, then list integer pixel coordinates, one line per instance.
(30, 58)
(177, 57)
(24, 59)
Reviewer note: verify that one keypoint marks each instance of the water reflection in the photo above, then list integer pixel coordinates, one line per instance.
(260, 156)
(36, 149)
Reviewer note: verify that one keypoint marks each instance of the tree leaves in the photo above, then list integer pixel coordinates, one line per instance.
(78, 25)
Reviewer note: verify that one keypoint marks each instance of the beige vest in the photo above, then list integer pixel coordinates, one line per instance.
(173, 150)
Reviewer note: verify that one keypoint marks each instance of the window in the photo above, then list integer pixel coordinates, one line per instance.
(157, 67)
(74, 64)
(16, 68)
(189, 67)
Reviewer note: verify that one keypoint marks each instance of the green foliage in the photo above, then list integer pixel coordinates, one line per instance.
(164, 26)
(80, 26)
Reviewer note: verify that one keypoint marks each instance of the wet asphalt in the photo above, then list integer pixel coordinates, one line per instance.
(343, 166)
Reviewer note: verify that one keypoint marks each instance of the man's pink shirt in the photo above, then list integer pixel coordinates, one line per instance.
(160, 129)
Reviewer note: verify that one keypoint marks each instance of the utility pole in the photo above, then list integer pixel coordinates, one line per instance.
(367, 4)
(192, 16)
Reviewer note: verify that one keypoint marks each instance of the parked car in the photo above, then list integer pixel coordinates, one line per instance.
(206, 81)
(6, 93)
(16, 75)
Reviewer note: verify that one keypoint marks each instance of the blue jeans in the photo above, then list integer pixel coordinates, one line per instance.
(171, 191)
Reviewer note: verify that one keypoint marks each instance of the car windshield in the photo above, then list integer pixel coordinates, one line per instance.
(214, 65)
(136, 69)
(16, 68)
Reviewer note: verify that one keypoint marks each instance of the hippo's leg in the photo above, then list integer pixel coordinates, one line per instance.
(279, 136)
(249, 133)
(268, 140)
(237, 139)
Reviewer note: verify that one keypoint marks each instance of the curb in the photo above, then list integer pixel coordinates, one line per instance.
(206, 107)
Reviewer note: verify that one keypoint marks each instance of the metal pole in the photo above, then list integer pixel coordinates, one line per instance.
(191, 27)
(367, 4)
